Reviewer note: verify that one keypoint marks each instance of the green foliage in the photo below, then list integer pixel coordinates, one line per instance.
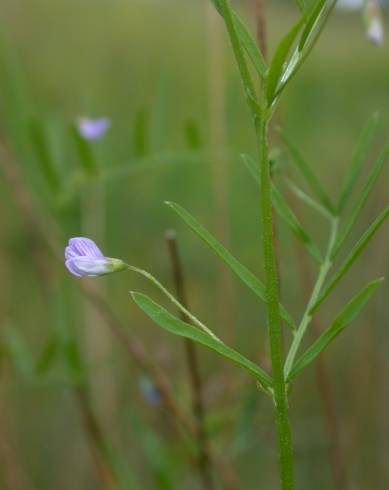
(247, 277)
(286, 214)
(246, 40)
(307, 173)
(347, 315)
(359, 157)
(278, 61)
(44, 155)
(371, 181)
(352, 257)
(173, 325)
(84, 151)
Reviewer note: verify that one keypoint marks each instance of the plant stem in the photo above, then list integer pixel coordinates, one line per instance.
(307, 316)
(273, 312)
(176, 303)
(204, 460)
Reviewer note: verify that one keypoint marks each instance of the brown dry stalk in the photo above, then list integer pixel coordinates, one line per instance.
(204, 459)
(261, 26)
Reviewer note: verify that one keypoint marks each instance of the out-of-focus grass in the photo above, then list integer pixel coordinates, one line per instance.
(117, 58)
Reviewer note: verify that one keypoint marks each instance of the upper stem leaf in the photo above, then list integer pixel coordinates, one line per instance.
(240, 270)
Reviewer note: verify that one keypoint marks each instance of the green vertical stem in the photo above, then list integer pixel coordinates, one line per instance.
(274, 319)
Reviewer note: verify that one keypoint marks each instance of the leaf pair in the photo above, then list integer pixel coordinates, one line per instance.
(245, 38)
(343, 320)
(281, 70)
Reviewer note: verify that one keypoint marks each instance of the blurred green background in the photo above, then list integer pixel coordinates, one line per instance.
(163, 72)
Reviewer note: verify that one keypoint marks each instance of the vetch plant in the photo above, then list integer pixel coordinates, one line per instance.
(272, 79)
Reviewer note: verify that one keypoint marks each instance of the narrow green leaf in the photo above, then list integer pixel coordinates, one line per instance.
(358, 159)
(45, 159)
(84, 152)
(301, 5)
(347, 315)
(298, 58)
(224, 8)
(18, 351)
(286, 213)
(294, 224)
(141, 142)
(307, 173)
(352, 257)
(308, 199)
(376, 171)
(177, 327)
(247, 277)
(47, 357)
(311, 22)
(246, 40)
(250, 46)
(279, 59)
(193, 135)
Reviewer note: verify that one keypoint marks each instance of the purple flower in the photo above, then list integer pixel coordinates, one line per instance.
(373, 18)
(375, 32)
(93, 129)
(83, 258)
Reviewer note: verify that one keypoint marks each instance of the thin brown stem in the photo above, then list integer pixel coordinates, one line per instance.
(260, 17)
(204, 459)
(96, 438)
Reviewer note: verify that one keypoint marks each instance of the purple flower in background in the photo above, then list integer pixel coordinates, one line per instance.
(374, 25)
(93, 129)
(375, 32)
(83, 258)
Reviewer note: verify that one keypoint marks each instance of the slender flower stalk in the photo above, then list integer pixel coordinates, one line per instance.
(83, 258)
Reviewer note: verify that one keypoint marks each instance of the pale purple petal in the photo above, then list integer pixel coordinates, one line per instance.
(93, 129)
(83, 247)
(70, 253)
(71, 268)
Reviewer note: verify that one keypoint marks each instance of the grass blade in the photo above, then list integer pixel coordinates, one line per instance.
(43, 152)
(377, 168)
(85, 153)
(141, 144)
(354, 254)
(177, 327)
(347, 315)
(357, 161)
(247, 277)
(286, 213)
(307, 173)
